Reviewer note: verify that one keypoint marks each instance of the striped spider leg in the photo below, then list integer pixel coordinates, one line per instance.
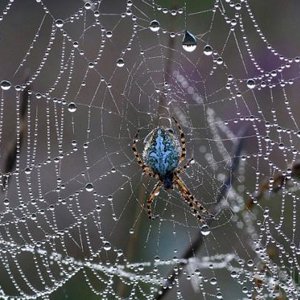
(149, 172)
(195, 205)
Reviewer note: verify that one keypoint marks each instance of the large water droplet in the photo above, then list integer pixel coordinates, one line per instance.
(205, 230)
(189, 42)
(107, 246)
(154, 26)
(59, 23)
(109, 34)
(120, 62)
(250, 83)
(89, 187)
(207, 50)
(72, 107)
(87, 5)
(5, 85)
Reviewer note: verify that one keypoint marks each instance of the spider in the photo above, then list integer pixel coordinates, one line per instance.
(162, 155)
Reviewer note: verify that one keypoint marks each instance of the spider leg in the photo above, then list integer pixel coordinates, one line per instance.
(195, 205)
(183, 168)
(139, 159)
(182, 141)
(153, 194)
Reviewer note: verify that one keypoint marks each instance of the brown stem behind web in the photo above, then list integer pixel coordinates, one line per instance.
(279, 181)
(198, 240)
(14, 148)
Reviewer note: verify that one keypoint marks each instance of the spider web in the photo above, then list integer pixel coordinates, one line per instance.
(79, 79)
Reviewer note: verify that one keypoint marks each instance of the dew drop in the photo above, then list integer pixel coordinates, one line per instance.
(213, 281)
(120, 63)
(250, 83)
(205, 230)
(154, 26)
(89, 187)
(59, 23)
(250, 263)
(6, 202)
(189, 42)
(108, 34)
(207, 50)
(233, 274)
(5, 85)
(107, 246)
(219, 61)
(87, 5)
(72, 107)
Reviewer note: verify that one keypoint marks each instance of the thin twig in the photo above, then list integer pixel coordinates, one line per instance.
(13, 151)
(198, 241)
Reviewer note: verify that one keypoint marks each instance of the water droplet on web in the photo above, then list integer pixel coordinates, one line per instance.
(120, 63)
(154, 26)
(250, 263)
(207, 50)
(6, 202)
(189, 42)
(59, 23)
(205, 230)
(108, 34)
(89, 187)
(72, 107)
(107, 246)
(87, 5)
(5, 85)
(213, 281)
(250, 83)
(219, 61)
(234, 274)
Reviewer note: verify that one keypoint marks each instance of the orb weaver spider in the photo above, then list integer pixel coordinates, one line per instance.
(160, 159)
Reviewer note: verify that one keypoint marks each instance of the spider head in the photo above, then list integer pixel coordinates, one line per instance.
(167, 180)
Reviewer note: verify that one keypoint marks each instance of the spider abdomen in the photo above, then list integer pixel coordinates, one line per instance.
(162, 153)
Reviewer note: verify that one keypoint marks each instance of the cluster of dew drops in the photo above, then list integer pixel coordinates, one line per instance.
(189, 41)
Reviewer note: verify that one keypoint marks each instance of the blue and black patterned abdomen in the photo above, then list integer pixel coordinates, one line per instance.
(162, 154)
